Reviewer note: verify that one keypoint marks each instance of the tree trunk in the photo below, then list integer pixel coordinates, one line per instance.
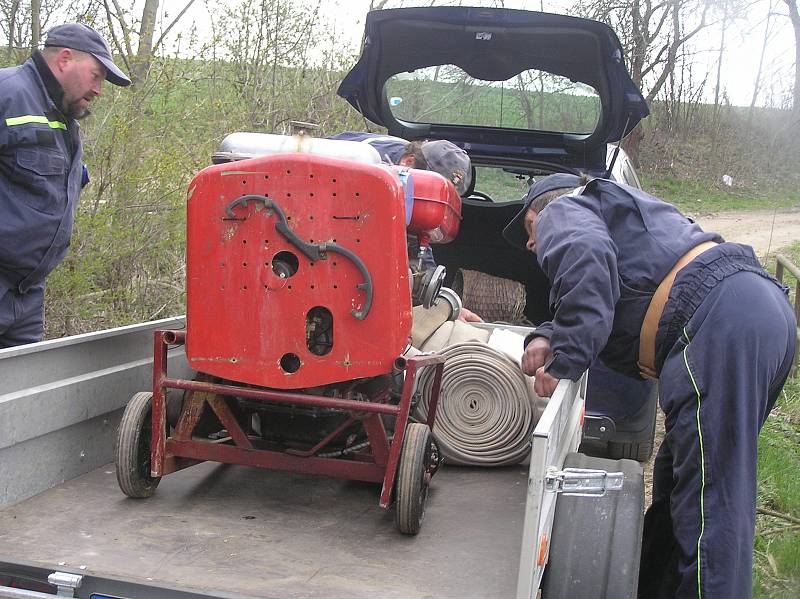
(757, 84)
(144, 52)
(794, 17)
(12, 28)
(719, 61)
(36, 23)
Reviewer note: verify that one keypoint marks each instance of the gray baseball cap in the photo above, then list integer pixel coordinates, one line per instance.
(78, 36)
(450, 161)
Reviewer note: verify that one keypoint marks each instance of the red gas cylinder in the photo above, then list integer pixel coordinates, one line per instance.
(436, 212)
(297, 270)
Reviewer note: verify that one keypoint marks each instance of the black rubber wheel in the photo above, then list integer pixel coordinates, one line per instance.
(641, 451)
(412, 483)
(133, 448)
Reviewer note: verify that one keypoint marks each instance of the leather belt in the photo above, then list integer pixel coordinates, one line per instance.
(647, 336)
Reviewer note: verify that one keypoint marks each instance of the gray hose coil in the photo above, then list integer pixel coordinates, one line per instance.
(486, 412)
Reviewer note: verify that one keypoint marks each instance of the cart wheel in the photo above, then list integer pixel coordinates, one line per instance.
(133, 448)
(413, 478)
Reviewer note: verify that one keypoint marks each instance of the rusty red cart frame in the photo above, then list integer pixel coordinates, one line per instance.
(169, 454)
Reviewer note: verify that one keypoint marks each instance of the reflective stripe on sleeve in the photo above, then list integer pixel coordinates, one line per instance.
(32, 118)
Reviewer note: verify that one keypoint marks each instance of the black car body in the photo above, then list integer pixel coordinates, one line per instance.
(526, 94)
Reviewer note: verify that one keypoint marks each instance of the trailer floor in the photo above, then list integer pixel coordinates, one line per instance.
(271, 534)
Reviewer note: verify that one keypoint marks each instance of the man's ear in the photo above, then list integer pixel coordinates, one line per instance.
(64, 57)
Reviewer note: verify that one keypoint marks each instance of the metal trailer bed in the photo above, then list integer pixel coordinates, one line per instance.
(233, 531)
(271, 534)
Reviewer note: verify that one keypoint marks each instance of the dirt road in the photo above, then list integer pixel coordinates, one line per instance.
(766, 230)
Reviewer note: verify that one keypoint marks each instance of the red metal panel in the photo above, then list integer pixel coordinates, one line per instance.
(245, 322)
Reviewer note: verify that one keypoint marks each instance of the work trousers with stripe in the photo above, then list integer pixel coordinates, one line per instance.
(21, 316)
(718, 382)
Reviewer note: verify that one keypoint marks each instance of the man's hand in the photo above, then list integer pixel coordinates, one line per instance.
(468, 316)
(536, 355)
(544, 384)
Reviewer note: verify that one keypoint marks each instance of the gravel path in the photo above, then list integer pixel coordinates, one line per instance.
(766, 230)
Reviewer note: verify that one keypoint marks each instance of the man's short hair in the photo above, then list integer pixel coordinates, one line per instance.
(543, 200)
(540, 195)
(414, 149)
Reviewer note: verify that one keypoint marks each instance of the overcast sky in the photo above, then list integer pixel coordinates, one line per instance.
(744, 39)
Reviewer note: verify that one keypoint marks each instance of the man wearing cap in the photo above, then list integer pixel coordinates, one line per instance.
(639, 285)
(41, 168)
(439, 156)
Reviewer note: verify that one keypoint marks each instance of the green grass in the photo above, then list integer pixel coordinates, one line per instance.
(694, 197)
(776, 568)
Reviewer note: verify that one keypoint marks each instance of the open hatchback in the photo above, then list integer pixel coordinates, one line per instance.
(526, 94)
(503, 83)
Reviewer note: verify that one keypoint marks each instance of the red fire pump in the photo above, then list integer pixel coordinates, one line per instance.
(299, 297)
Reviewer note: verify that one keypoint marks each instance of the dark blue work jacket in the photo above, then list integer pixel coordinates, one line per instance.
(605, 251)
(389, 147)
(40, 178)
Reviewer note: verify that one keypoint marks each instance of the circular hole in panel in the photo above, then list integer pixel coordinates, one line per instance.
(285, 264)
(290, 363)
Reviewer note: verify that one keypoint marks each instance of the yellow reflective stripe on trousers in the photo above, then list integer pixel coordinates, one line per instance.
(32, 118)
(702, 464)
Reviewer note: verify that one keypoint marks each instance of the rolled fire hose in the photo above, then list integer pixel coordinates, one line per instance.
(487, 408)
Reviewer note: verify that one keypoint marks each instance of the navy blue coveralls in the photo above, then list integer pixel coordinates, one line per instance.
(389, 147)
(40, 180)
(724, 348)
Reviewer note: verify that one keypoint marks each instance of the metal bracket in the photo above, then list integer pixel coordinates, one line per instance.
(65, 582)
(582, 482)
(598, 428)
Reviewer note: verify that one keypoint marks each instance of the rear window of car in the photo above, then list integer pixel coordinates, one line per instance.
(500, 185)
(534, 100)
